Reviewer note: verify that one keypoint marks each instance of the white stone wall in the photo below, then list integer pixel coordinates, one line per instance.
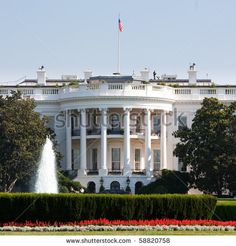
(116, 98)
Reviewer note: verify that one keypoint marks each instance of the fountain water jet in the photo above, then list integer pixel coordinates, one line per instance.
(46, 181)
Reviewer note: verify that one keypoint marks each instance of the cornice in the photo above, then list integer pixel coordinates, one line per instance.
(120, 98)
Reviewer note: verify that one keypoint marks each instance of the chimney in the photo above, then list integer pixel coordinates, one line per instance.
(87, 74)
(192, 75)
(41, 76)
(145, 74)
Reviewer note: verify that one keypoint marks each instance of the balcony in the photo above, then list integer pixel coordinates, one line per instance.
(137, 132)
(115, 172)
(115, 131)
(97, 131)
(92, 172)
(156, 133)
(141, 133)
(91, 90)
(93, 131)
(138, 171)
(76, 132)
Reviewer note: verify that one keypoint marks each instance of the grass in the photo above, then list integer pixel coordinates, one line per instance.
(225, 210)
(226, 202)
(227, 199)
(123, 233)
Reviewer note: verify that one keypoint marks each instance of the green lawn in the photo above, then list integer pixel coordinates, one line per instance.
(226, 202)
(124, 233)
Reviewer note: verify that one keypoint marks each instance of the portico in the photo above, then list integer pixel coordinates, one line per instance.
(117, 140)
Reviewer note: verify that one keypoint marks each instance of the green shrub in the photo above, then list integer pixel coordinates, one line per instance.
(101, 189)
(65, 184)
(225, 210)
(127, 189)
(63, 189)
(73, 207)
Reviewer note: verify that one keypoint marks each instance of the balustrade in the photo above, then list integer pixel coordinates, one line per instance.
(126, 89)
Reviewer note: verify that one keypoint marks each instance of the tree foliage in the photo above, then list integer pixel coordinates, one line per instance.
(209, 147)
(22, 134)
(170, 182)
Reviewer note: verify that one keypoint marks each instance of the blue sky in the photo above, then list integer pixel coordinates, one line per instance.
(70, 36)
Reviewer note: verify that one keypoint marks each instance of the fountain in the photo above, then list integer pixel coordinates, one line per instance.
(46, 181)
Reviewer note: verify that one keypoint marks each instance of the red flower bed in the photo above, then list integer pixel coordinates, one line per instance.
(125, 222)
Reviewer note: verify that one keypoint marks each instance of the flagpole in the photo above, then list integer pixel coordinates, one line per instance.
(118, 64)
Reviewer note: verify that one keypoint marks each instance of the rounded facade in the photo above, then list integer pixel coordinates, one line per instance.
(115, 132)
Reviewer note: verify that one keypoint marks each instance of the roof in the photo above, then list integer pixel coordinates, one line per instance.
(113, 79)
(179, 81)
(50, 81)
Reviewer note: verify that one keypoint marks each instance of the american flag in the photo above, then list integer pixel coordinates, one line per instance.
(120, 25)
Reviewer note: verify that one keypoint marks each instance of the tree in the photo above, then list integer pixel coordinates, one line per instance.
(170, 182)
(209, 147)
(52, 136)
(22, 134)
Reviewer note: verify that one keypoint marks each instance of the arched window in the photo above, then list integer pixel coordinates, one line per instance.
(138, 186)
(115, 186)
(91, 187)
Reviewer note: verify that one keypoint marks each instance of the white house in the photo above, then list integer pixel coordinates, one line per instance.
(117, 130)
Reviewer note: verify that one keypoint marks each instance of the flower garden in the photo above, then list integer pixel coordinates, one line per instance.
(86, 213)
(122, 225)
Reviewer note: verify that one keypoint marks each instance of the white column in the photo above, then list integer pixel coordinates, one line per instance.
(103, 169)
(163, 141)
(68, 141)
(148, 142)
(83, 149)
(127, 167)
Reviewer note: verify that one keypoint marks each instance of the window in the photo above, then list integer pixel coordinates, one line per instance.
(94, 159)
(137, 158)
(96, 119)
(180, 165)
(138, 124)
(156, 159)
(115, 122)
(91, 187)
(115, 158)
(75, 159)
(115, 186)
(88, 119)
(75, 125)
(182, 121)
(156, 124)
(138, 186)
(74, 121)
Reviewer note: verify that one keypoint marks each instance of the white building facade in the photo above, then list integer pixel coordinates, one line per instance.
(116, 131)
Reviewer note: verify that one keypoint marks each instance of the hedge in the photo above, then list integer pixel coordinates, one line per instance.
(20, 207)
(225, 210)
